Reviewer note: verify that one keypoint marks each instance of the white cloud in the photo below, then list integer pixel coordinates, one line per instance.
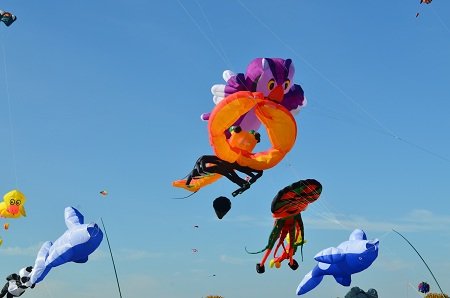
(21, 251)
(416, 220)
(136, 254)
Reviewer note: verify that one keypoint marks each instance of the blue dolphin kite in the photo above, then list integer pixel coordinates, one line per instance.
(75, 245)
(352, 256)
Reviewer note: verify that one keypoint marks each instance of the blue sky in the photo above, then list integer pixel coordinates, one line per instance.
(107, 95)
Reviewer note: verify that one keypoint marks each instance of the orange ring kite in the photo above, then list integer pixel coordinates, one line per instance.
(278, 121)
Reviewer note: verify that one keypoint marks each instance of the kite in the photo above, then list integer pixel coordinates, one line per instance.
(16, 283)
(423, 287)
(221, 206)
(12, 205)
(6, 226)
(352, 256)
(286, 210)
(75, 245)
(273, 77)
(235, 153)
(356, 292)
(7, 18)
(423, 1)
(104, 193)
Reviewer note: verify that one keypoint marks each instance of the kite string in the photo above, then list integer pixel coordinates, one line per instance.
(221, 55)
(225, 58)
(11, 124)
(219, 48)
(112, 259)
(440, 20)
(443, 295)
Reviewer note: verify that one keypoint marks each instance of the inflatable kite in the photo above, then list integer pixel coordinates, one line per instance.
(12, 205)
(286, 209)
(235, 152)
(273, 77)
(7, 18)
(350, 257)
(356, 292)
(16, 283)
(423, 287)
(75, 245)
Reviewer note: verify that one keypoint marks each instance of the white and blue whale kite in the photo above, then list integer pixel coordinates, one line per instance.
(352, 256)
(75, 245)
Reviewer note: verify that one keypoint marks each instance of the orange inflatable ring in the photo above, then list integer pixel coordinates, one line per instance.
(278, 121)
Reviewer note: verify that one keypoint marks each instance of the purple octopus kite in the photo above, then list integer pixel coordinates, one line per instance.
(271, 76)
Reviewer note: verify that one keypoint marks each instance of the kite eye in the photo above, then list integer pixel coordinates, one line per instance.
(257, 137)
(12, 202)
(271, 84)
(286, 84)
(236, 129)
(18, 202)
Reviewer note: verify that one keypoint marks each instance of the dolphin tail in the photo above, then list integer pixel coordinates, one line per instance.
(308, 283)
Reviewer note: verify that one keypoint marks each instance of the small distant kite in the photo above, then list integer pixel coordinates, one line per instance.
(196, 226)
(12, 205)
(104, 193)
(194, 250)
(7, 18)
(423, 1)
(6, 226)
(423, 287)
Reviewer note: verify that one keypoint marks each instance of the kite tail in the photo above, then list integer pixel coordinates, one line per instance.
(301, 247)
(256, 252)
(182, 198)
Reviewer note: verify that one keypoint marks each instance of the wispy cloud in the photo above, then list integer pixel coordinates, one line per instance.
(128, 254)
(99, 254)
(21, 251)
(137, 254)
(415, 220)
